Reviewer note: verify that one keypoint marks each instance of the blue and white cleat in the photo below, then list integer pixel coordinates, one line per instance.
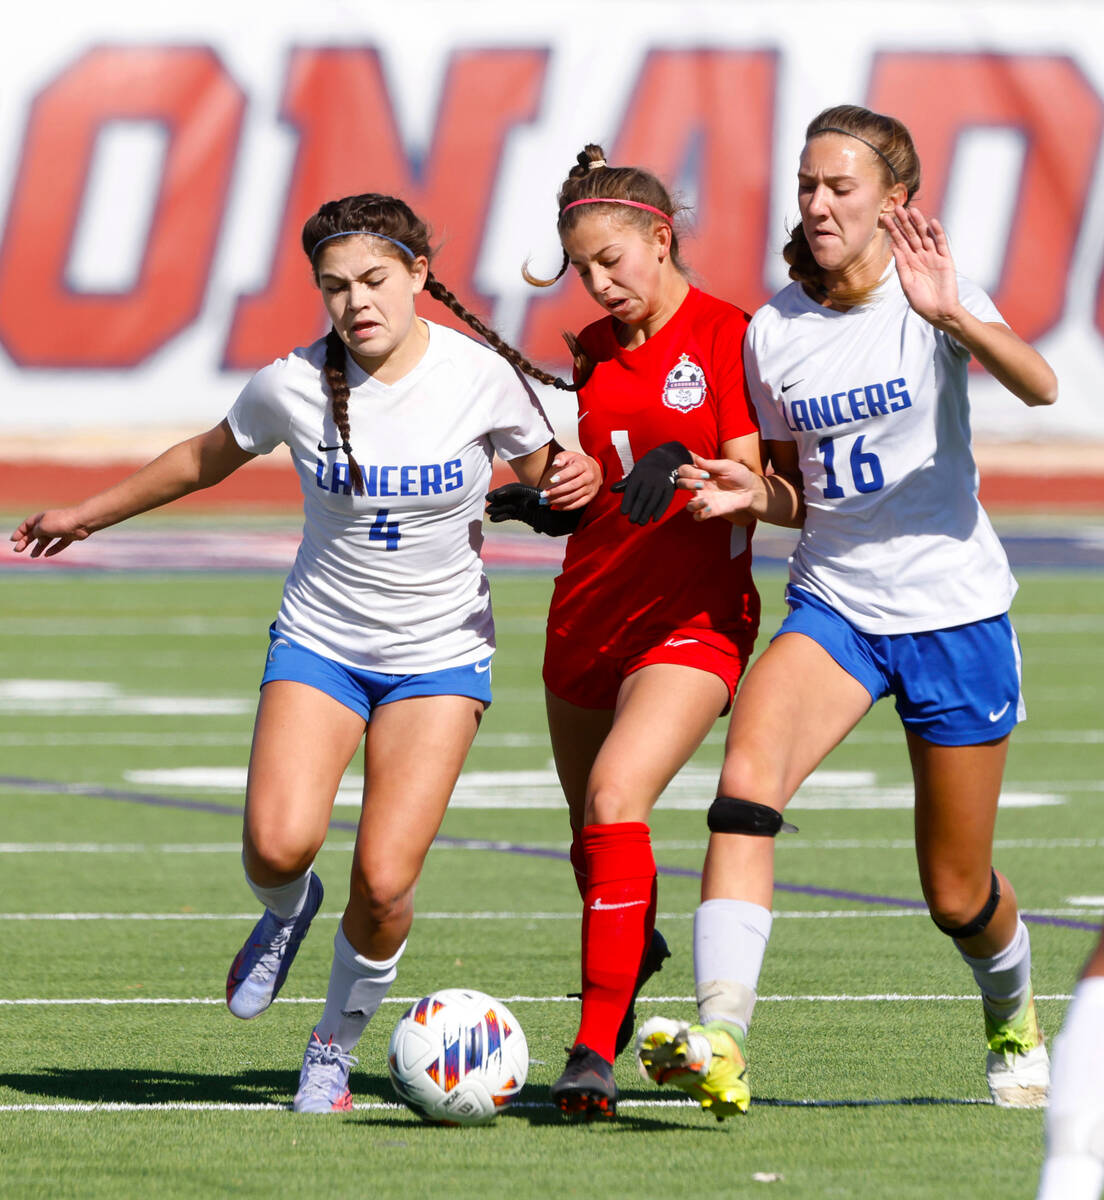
(258, 972)
(324, 1079)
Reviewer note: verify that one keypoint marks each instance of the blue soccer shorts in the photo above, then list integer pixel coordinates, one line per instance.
(363, 691)
(955, 687)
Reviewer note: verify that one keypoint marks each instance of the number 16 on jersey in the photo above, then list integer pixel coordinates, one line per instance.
(866, 470)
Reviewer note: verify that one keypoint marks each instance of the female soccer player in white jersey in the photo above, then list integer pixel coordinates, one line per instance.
(653, 617)
(1074, 1165)
(898, 586)
(385, 630)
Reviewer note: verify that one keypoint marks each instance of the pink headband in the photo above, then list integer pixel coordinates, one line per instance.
(613, 200)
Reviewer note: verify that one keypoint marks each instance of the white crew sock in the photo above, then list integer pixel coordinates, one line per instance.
(1074, 1166)
(730, 939)
(1004, 979)
(357, 988)
(286, 900)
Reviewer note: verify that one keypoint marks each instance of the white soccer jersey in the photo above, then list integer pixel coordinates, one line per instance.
(392, 581)
(875, 400)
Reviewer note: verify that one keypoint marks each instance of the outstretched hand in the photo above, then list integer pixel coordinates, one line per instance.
(721, 487)
(49, 531)
(924, 263)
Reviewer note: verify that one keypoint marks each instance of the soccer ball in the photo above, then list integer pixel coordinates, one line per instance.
(458, 1057)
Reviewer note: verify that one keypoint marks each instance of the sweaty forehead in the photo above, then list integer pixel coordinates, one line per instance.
(834, 154)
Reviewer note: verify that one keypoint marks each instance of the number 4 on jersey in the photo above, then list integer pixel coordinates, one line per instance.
(384, 530)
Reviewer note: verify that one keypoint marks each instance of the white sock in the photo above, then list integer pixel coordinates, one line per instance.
(1005, 978)
(286, 900)
(1074, 1166)
(730, 939)
(1071, 1177)
(357, 988)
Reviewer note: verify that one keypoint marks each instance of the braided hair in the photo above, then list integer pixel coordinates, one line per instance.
(402, 230)
(894, 153)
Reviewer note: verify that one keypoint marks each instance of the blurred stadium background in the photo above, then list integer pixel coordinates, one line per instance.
(156, 166)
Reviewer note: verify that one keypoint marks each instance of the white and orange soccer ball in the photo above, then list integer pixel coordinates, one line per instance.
(458, 1057)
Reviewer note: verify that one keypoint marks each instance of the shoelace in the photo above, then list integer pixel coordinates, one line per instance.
(327, 1065)
(269, 962)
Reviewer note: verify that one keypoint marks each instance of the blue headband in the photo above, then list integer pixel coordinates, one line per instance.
(366, 233)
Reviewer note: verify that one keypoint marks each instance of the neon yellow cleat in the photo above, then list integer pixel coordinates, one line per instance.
(1017, 1066)
(705, 1061)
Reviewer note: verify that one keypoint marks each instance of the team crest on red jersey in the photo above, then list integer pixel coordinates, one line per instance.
(684, 387)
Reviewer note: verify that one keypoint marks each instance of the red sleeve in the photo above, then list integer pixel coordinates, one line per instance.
(735, 411)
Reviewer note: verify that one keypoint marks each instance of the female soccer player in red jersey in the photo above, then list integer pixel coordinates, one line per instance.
(654, 614)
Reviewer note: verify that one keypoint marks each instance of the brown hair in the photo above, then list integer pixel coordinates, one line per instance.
(395, 221)
(893, 152)
(591, 178)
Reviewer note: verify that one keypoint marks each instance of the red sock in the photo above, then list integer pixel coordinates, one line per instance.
(618, 919)
(578, 860)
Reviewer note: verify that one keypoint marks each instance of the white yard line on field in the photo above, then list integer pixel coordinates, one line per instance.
(540, 789)
(811, 998)
(1083, 906)
(478, 844)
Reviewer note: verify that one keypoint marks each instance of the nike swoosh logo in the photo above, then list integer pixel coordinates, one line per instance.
(276, 646)
(600, 905)
(321, 447)
(996, 716)
(786, 386)
(481, 667)
(582, 414)
(680, 641)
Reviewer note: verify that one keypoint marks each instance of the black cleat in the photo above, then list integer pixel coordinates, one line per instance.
(653, 961)
(586, 1089)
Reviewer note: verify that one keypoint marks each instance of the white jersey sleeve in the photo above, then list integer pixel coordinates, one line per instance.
(875, 400)
(259, 419)
(519, 425)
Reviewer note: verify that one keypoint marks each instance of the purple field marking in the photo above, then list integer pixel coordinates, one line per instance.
(231, 810)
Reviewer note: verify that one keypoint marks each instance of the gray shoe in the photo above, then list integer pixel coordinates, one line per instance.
(258, 972)
(324, 1079)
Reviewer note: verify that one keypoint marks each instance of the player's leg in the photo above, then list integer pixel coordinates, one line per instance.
(302, 742)
(628, 774)
(577, 735)
(414, 750)
(1074, 1165)
(795, 705)
(957, 789)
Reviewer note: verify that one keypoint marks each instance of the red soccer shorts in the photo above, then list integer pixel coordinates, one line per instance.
(590, 678)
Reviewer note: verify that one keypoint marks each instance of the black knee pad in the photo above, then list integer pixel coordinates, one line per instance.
(980, 921)
(727, 815)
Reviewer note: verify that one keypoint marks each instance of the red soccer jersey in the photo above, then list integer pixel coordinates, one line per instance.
(624, 587)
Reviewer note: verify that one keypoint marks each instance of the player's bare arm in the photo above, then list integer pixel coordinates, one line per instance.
(196, 463)
(735, 487)
(928, 279)
(567, 478)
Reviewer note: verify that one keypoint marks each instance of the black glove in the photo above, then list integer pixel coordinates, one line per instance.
(518, 502)
(649, 486)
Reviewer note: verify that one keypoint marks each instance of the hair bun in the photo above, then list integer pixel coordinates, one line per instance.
(595, 163)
